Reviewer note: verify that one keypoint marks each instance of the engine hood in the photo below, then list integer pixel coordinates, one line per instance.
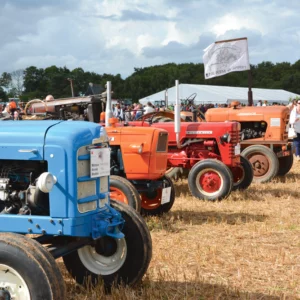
(26, 140)
(23, 139)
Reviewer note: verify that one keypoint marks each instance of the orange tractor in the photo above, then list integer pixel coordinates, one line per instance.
(138, 155)
(265, 131)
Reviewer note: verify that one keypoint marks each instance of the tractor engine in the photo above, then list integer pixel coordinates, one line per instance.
(253, 130)
(19, 193)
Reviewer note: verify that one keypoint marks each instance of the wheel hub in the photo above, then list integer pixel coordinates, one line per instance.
(260, 165)
(106, 246)
(151, 200)
(210, 182)
(104, 264)
(12, 284)
(5, 295)
(118, 195)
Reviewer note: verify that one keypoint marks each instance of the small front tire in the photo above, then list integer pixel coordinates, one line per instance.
(210, 179)
(152, 201)
(124, 191)
(115, 261)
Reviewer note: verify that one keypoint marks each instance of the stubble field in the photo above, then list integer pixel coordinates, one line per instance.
(244, 247)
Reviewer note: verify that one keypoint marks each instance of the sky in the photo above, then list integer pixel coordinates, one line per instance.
(116, 36)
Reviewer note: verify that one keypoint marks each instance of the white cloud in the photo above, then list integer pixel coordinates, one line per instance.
(114, 36)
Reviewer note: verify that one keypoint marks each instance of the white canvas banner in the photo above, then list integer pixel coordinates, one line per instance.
(224, 57)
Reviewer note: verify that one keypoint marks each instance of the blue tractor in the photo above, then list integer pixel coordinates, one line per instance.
(54, 202)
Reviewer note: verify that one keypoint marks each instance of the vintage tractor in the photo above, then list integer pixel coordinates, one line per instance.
(54, 185)
(137, 154)
(265, 131)
(211, 153)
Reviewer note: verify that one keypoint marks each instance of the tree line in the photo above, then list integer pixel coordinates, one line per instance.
(36, 82)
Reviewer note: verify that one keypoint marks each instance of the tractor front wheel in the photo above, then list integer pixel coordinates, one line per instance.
(124, 191)
(26, 272)
(159, 201)
(114, 261)
(285, 164)
(210, 179)
(264, 162)
(242, 175)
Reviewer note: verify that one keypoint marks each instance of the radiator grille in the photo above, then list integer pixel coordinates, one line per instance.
(235, 139)
(162, 144)
(87, 194)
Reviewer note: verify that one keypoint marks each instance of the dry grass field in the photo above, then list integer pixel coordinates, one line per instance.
(244, 247)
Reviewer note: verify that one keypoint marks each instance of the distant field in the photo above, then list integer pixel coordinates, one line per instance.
(244, 247)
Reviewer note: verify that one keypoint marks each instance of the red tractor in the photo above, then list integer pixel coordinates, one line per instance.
(210, 151)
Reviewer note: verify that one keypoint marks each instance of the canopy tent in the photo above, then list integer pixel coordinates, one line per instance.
(220, 94)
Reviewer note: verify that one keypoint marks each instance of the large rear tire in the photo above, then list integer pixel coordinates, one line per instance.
(124, 191)
(285, 164)
(26, 272)
(242, 175)
(114, 261)
(210, 179)
(264, 162)
(152, 201)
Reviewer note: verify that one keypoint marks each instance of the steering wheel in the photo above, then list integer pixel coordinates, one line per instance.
(29, 103)
(190, 99)
(152, 115)
(199, 114)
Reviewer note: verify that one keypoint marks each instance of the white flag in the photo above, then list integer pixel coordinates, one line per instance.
(224, 57)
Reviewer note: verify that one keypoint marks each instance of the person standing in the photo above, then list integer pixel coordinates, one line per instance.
(292, 104)
(148, 108)
(295, 122)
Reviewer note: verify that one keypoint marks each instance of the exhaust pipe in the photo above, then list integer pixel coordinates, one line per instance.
(108, 111)
(177, 115)
(166, 98)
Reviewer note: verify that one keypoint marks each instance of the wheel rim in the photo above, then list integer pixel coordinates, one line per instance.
(238, 174)
(100, 264)
(151, 201)
(13, 284)
(209, 182)
(260, 164)
(118, 195)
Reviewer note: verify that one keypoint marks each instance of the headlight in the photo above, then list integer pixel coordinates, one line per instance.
(226, 138)
(136, 148)
(46, 182)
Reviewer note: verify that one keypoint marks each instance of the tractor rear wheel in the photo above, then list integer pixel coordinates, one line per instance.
(124, 191)
(210, 179)
(114, 261)
(26, 272)
(242, 175)
(264, 162)
(156, 202)
(285, 164)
